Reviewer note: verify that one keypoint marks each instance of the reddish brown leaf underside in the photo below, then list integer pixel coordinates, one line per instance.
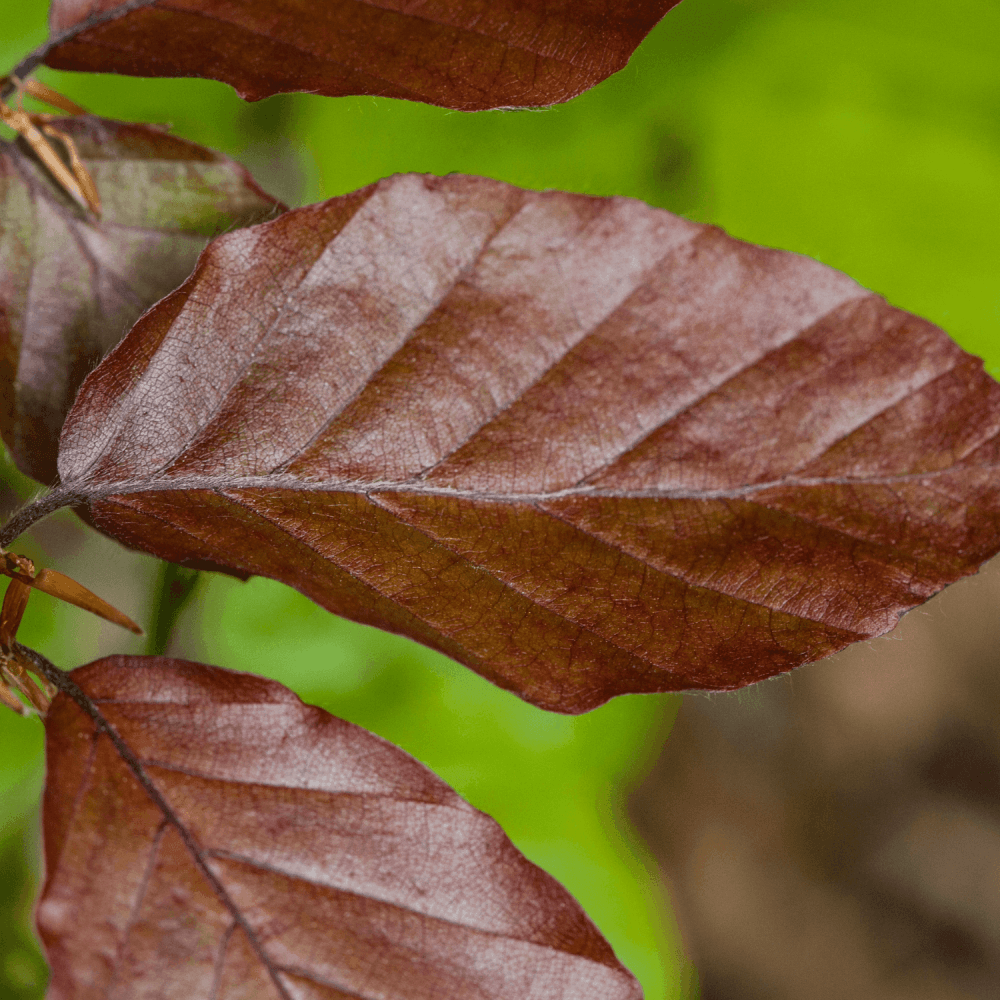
(72, 284)
(342, 866)
(464, 54)
(581, 445)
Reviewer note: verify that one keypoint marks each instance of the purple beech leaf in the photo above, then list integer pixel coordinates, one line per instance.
(465, 54)
(213, 836)
(581, 445)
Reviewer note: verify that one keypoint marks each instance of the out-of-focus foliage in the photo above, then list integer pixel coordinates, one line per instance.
(838, 833)
(22, 968)
(866, 135)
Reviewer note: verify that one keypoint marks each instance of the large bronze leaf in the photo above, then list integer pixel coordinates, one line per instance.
(71, 285)
(581, 445)
(211, 833)
(466, 54)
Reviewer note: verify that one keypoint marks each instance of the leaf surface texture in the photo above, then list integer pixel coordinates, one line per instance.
(71, 285)
(282, 853)
(464, 54)
(581, 445)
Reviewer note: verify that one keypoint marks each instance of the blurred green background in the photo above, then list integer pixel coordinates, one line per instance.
(865, 135)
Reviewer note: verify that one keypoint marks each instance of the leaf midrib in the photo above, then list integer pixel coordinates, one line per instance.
(89, 491)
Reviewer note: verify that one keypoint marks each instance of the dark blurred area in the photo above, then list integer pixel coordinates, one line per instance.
(836, 832)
